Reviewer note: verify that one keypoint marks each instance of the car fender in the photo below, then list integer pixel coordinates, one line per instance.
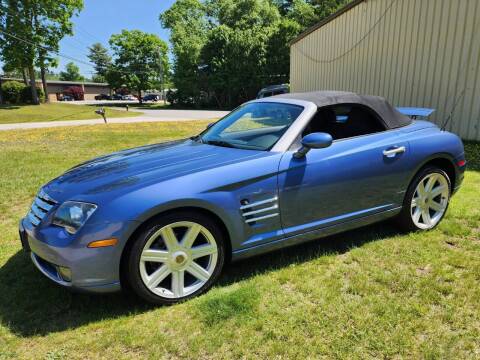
(425, 161)
(191, 203)
(451, 150)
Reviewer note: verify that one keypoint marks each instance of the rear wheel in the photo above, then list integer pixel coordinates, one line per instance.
(426, 201)
(176, 258)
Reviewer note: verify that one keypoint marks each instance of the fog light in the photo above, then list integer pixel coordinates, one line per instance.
(65, 273)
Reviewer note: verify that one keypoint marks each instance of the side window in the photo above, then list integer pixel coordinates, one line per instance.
(345, 121)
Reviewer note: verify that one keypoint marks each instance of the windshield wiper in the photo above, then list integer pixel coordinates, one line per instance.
(196, 138)
(219, 143)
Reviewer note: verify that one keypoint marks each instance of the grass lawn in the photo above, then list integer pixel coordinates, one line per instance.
(368, 293)
(10, 114)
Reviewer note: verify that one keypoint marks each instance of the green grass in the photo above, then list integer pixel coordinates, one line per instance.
(368, 293)
(10, 114)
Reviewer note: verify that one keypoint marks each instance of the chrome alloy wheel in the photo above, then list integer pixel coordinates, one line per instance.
(178, 259)
(429, 201)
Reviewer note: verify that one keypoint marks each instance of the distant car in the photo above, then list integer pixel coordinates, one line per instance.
(117, 97)
(151, 97)
(67, 98)
(273, 90)
(103, 97)
(129, 97)
(163, 219)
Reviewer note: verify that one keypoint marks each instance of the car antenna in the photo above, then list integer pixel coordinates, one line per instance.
(450, 115)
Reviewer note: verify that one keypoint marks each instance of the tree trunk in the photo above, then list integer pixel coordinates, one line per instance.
(44, 84)
(24, 74)
(33, 86)
(1, 94)
(140, 100)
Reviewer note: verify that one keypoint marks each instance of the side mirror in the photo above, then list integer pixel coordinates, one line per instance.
(313, 141)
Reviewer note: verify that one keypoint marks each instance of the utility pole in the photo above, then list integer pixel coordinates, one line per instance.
(162, 91)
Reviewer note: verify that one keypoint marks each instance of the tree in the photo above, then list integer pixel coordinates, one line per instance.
(227, 50)
(98, 78)
(236, 50)
(284, 6)
(303, 13)
(308, 12)
(31, 32)
(71, 73)
(140, 59)
(189, 25)
(325, 8)
(277, 67)
(100, 57)
(75, 91)
(44, 62)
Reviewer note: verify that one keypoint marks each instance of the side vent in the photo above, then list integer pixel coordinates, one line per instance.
(259, 210)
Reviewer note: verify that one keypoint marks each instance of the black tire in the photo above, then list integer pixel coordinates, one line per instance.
(131, 268)
(404, 219)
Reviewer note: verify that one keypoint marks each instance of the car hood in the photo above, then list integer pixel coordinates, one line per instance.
(141, 167)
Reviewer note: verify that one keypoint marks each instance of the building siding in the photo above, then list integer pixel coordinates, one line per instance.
(414, 53)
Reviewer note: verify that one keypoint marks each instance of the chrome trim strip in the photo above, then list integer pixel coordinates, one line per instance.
(43, 195)
(42, 204)
(261, 210)
(257, 203)
(38, 212)
(261, 218)
(33, 219)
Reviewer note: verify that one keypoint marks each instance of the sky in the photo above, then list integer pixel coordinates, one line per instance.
(99, 19)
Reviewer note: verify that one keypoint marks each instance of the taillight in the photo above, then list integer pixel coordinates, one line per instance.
(461, 163)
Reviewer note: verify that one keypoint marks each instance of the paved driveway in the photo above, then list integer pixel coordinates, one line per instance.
(146, 116)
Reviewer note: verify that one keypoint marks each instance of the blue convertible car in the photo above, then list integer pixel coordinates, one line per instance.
(164, 219)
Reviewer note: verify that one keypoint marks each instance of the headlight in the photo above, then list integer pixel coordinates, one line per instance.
(71, 215)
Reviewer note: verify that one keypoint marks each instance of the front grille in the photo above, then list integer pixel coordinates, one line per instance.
(40, 208)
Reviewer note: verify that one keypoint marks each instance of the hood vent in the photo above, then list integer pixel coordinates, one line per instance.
(259, 210)
(40, 208)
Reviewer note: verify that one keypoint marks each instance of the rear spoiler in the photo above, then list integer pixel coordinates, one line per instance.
(414, 113)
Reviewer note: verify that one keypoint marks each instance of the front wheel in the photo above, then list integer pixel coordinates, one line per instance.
(426, 201)
(176, 258)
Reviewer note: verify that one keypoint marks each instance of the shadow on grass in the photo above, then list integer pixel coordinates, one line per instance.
(9, 107)
(331, 245)
(32, 305)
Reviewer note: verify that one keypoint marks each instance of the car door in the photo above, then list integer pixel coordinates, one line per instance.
(352, 178)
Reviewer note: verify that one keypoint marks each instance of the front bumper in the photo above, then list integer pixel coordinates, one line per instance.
(92, 270)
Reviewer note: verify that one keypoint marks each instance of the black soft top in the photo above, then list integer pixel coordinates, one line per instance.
(391, 117)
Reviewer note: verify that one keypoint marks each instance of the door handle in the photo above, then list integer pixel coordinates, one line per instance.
(392, 152)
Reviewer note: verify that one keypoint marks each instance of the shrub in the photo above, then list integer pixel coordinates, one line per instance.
(15, 92)
(11, 91)
(75, 91)
(26, 95)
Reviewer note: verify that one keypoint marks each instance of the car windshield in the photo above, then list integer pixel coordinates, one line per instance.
(256, 126)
